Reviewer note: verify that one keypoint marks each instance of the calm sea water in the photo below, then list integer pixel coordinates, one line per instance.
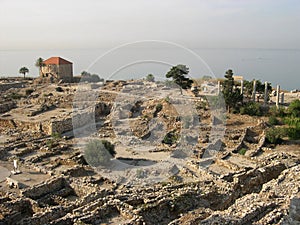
(276, 66)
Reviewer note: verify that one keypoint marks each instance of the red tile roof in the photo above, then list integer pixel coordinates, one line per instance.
(56, 61)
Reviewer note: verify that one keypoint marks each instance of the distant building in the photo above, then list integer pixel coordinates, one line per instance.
(209, 87)
(57, 69)
(238, 78)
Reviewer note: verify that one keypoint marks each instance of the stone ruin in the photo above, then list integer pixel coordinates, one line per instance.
(58, 187)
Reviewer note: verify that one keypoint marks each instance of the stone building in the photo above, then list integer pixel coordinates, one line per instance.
(57, 69)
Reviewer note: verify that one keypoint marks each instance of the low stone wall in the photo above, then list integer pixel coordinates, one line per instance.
(60, 126)
(45, 188)
(6, 86)
(5, 107)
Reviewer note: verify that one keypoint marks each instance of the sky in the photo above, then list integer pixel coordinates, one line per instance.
(67, 24)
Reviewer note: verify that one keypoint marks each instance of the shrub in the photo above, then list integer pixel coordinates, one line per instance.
(158, 108)
(59, 89)
(294, 108)
(51, 143)
(167, 99)
(278, 112)
(202, 105)
(251, 109)
(293, 133)
(98, 153)
(109, 147)
(56, 135)
(242, 151)
(292, 121)
(275, 135)
(29, 92)
(15, 96)
(273, 120)
(170, 138)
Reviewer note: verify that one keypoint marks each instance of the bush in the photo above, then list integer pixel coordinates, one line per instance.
(242, 151)
(275, 135)
(59, 89)
(170, 138)
(15, 96)
(251, 109)
(51, 143)
(273, 120)
(293, 133)
(167, 99)
(98, 153)
(292, 121)
(29, 92)
(158, 108)
(56, 135)
(109, 147)
(294, 108)
(278, 112)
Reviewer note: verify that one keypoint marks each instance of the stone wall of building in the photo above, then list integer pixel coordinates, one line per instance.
(49, 69)
(61, 72)
(65, 72)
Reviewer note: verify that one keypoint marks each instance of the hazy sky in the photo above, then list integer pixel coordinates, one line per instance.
(63, 24)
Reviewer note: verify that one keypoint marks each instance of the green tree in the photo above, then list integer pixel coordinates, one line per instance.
(23, 70)
(88, 77)
(150, 78)
(99, 152)
(178, 74)
(84, 73)
(232, 95)
(40, 64)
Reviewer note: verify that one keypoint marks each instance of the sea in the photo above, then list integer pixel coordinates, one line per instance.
(277, 66)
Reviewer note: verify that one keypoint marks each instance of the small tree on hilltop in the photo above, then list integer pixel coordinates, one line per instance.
(178, 74)
(150, 78)
(24, 70)
(231, 94)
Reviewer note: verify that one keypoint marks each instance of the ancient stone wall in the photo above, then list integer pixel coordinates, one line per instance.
(6, 86)
(47, 187)
(5, 107)
(60, 126)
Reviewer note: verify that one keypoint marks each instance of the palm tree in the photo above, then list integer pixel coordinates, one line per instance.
(40, 63)
(23, 70)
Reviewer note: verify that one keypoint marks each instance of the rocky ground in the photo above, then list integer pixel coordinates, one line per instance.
(178, 159)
